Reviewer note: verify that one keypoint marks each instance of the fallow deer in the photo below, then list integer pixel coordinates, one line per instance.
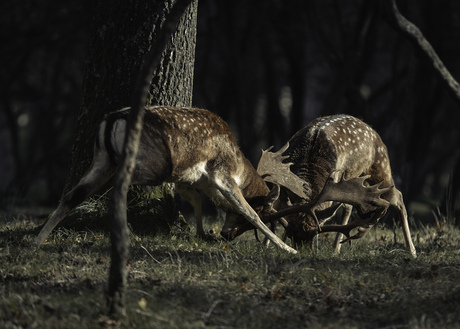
(340, 158)
(193, 148)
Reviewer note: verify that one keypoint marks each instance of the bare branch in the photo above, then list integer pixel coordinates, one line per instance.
(413, 33)
(117, 206)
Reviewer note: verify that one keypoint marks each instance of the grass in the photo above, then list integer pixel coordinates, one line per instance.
(179, 281)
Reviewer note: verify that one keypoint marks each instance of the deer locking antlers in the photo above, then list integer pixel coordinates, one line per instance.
(338, 158)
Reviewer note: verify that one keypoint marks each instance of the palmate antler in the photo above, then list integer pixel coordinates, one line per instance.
(272, 169)
(366, 199)
(364, 225)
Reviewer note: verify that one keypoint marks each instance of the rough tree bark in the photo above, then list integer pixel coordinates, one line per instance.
(122, 33)
(117, 207)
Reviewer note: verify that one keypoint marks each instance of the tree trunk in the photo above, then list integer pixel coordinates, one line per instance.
(122, 34)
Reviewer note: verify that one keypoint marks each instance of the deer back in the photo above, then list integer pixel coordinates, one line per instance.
(339, 142)
(184, 145)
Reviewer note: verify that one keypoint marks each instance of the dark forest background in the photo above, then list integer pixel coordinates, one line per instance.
(267, 67)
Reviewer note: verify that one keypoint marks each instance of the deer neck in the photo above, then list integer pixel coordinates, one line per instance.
(252, 186)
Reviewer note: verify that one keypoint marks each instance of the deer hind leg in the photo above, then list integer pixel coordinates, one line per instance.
(396, 201)
(97, 175)
(347, 209)
(192, 197)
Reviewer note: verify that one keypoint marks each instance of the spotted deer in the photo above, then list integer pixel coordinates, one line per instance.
(342, 159)
(193, 148)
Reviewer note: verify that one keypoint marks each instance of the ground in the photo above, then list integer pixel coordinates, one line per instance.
(179, 281)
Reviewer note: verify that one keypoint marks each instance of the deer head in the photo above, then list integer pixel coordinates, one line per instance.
(273, 170)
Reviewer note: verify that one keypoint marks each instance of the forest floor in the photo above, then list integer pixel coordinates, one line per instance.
(180, 281)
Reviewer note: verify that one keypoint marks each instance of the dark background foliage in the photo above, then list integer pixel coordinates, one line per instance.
(267, 67)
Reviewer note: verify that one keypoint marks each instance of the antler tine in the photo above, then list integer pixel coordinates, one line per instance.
(344, 229)
(363, 225)
(283, 149)
(278, 154)
(361, 232)
(294, 209)
(382, 190)
(269, 149)
(353, 191)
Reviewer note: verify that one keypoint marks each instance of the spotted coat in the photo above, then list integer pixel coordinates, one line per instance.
(339, 142)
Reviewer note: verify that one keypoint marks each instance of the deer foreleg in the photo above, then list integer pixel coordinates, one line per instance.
(194, 198)
(398, 203)
(347, 209)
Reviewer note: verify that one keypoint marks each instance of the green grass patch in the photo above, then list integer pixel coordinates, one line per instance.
(179, 281)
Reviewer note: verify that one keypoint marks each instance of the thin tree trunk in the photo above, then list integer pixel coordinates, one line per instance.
(117, 207)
